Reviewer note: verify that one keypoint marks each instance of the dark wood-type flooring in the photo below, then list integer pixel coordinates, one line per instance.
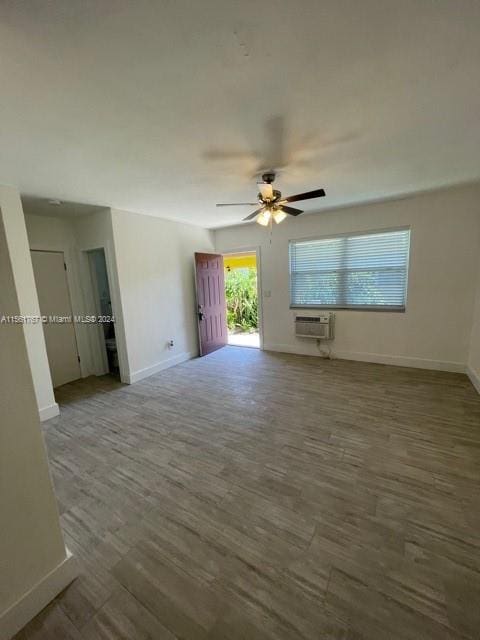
(266, 496)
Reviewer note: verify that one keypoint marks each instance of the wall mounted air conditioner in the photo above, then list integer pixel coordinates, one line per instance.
(320, 326)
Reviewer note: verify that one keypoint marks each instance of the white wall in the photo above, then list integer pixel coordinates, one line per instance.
(474, 351)
(150, 269)
(434, 332)
(156, 279)
(34, 565)
(16, 238)
(74, 236)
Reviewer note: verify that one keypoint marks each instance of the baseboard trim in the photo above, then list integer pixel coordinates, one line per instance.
(51, 411)
(474, 378)
(22, 611)
(378, 358)
(140, 374)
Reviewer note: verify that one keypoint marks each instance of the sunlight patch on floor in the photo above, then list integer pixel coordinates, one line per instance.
(244, 339)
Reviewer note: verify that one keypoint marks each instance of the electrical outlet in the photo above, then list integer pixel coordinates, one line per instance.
(170, 344)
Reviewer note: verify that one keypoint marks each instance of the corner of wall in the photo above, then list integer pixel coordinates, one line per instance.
(17, 242)
(118, 302)
(38, 597)
(35, 563)
(473, 366)
(48, 412)
(474, 378)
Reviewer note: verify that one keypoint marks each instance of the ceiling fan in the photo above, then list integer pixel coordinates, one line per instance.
(272, 204)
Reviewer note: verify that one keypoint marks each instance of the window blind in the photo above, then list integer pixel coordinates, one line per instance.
(366, 271)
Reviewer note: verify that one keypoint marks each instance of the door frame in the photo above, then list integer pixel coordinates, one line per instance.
(256, 249)
(112, 274)
(103, 364)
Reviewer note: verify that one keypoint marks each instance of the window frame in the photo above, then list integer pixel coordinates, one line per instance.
(344, 307)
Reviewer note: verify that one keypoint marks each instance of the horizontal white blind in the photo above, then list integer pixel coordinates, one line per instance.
(351, 271)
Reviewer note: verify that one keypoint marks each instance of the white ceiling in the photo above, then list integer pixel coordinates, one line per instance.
(168, 107)
(56, 208)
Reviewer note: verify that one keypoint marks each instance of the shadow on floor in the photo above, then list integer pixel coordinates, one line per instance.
(85, 388)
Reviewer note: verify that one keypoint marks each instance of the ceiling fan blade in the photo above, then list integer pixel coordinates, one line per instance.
(236, 204)
(266, 190)
(291, 210)
(318, 193)
(255, 213)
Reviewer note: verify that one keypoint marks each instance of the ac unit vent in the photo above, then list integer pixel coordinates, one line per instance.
(315, 326)
(307, 319)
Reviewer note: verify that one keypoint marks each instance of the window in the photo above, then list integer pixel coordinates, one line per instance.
(362, 271)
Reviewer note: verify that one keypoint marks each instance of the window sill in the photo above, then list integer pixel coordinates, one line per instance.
(352, 308)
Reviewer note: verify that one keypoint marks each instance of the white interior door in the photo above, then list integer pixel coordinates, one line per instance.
(54, 299)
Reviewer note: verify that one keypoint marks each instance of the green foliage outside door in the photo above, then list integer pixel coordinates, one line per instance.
(242, 299)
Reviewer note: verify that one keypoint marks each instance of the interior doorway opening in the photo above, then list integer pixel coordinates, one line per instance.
(103, 302)
(241, 293)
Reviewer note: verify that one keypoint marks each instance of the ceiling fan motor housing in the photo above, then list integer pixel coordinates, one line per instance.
(276, 195)
(268, 177)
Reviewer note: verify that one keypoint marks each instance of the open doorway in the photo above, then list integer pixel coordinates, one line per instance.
(241, 293)
(103, 303)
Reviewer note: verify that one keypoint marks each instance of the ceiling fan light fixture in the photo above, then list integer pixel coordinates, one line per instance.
(279, 215)
(273, 207)
(264, 218)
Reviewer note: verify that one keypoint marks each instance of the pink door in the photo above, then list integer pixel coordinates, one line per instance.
(211, 305)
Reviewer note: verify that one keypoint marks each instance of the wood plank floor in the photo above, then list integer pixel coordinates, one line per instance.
(250, 495)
